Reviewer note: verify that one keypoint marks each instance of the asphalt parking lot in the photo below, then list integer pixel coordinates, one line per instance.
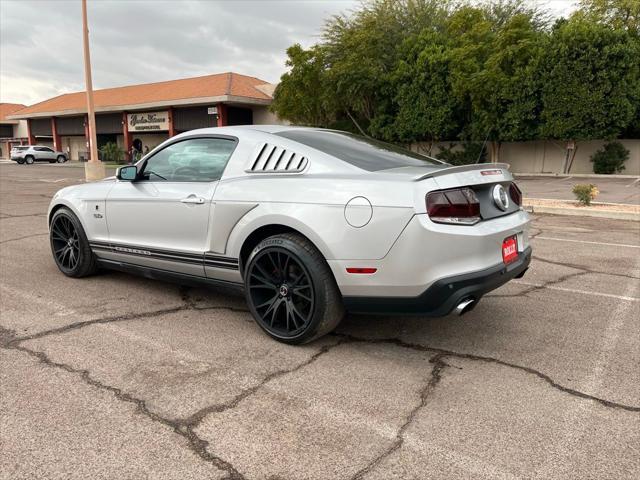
(116, 376)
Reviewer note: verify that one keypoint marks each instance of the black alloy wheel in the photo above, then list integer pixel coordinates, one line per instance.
(69, 245)
(65, 242)
(291, 291)
(281, 291)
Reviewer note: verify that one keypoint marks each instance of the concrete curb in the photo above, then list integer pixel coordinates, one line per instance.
(576, 175)
(584, 213)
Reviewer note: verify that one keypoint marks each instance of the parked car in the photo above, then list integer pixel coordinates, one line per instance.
(310, 223)
(37, 153)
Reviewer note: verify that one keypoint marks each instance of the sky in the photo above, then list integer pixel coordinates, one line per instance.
(141, 41)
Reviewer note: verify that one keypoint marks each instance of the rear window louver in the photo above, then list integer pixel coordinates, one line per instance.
(274, 159)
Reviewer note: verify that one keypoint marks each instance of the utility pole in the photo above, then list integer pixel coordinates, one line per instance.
(93, 169)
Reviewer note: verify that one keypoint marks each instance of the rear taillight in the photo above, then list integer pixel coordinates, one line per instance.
(458, 206)
(515, 193)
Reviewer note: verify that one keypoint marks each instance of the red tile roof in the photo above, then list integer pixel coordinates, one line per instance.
(218, 85)
(9, 108)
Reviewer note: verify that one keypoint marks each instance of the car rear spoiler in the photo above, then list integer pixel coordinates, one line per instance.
(463, 168)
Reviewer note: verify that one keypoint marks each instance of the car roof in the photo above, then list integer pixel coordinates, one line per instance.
(236, 129)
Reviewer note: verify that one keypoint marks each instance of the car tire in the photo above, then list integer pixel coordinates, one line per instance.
(29, 160)
(69, 245)
(61, 159)
(291, 291)
(20, 161)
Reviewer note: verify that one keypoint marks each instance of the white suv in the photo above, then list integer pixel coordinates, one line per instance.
(36, 153)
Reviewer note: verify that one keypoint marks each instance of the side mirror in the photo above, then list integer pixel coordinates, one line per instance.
(128, 173)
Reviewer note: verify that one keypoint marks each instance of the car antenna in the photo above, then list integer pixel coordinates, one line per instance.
(483, 145)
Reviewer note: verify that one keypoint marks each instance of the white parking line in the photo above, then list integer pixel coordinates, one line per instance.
(587, 242)
(581, 415)
(573, 290)
(633, 183)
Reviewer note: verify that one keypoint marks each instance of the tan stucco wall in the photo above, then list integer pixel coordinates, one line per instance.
(262, 116)
(548, 156)
(76, 143)
(20, 130)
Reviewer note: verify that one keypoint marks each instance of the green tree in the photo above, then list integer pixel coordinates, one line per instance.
(619, 14)
(590, 82)
(425, 71)
(347, 80)
(426, 108)
(302, 95)
(362, 54)
(504, 90)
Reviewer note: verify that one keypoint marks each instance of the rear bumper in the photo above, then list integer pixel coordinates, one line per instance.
(445, 294)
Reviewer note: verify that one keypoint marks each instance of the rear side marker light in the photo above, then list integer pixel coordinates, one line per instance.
(362, 270)
(456, 206)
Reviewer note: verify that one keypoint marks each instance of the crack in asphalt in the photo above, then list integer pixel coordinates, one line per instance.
(188, 304)
(22, 238)
(539, 232)
(582, 271)
(9, 215)
(75, 326)
(582, 267)
(183, 427)
(194, 420)
(535, 288)
(481, 358)
(436, 374)
(195, 443)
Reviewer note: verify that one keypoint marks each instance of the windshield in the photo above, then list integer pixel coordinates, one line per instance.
(362, 152)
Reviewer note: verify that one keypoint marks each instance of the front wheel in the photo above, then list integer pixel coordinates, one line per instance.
(61, 159)
(291, 291)
(69, 245)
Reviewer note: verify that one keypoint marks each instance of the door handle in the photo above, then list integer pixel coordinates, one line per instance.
(193, 199)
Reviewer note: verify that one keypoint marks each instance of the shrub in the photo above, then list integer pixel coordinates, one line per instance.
(471, 152)
(585, 193)
(111, 152)
(610, 159)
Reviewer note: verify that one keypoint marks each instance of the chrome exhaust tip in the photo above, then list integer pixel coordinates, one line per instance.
(465, 306)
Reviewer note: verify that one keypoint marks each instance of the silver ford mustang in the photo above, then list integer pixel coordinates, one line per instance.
(309, 222)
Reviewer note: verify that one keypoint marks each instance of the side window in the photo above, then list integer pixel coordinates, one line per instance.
(192, 160)
(43, 149)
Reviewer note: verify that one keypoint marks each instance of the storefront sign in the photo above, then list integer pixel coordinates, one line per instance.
(148, 121)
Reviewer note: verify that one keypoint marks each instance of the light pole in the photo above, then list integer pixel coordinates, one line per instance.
(93, 169)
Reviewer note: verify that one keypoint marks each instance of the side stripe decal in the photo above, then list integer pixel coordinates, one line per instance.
(205, 258)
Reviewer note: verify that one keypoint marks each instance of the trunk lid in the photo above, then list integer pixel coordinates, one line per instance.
(481, 178)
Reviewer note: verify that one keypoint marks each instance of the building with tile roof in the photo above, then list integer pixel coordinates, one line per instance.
(12, 132)
(147, 114)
